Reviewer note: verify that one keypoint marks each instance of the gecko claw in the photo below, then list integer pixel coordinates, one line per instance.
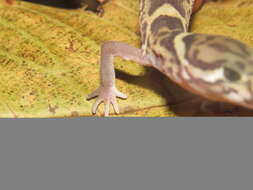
(108, 96)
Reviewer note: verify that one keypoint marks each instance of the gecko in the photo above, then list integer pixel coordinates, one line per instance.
(215, 67)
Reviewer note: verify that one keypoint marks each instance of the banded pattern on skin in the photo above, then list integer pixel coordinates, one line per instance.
(160, 22)
(216, 67)
(213, 66)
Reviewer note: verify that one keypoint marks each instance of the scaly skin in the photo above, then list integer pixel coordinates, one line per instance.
(212, 66)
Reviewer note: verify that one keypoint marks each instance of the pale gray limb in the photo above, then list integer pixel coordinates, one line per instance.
(107, 92)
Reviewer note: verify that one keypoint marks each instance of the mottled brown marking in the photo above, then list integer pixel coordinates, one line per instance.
(219, 43)
(189, 39)
(178, 4)
(244, 49)
(224, 48)
(165, 21)
(193, 57)
(206, 39)
(167, 43)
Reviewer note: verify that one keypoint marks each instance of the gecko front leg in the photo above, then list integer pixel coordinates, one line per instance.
(107, 92)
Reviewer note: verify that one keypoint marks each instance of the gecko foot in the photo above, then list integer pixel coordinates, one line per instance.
(108, 96)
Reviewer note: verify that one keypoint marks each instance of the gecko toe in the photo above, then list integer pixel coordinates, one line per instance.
(93, 95)
(96, 104)
(115, 106)
(107, 108)
(120, 95)
(107, 96)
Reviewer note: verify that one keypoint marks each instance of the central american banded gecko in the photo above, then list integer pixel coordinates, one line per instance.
(215, 67)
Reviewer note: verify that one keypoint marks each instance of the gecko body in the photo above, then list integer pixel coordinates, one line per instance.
(215, 67)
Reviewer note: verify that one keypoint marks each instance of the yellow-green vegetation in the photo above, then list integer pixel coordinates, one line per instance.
(49, 57)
